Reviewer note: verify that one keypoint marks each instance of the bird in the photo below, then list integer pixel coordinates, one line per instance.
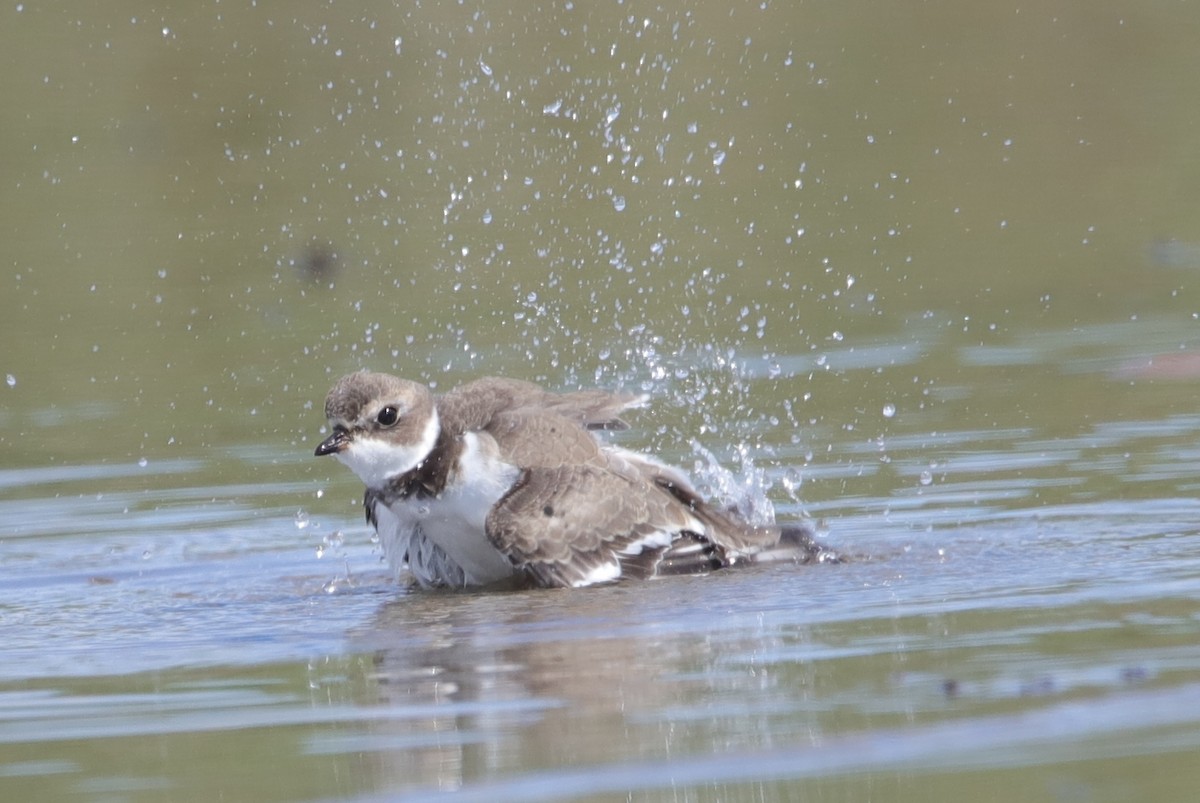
(499, 483)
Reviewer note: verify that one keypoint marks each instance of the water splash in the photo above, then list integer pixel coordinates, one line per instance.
(744, 492)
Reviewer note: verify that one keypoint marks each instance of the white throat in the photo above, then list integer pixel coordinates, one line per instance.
(376, 459)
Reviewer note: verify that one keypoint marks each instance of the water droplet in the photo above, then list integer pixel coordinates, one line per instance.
(791, 482)
(926, 478)
(10, 380)
(889, 410)
(143, 462)
(301, 520)
(718, 158)
(619, 203)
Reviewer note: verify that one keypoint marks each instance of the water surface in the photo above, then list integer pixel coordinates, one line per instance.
(924, 277)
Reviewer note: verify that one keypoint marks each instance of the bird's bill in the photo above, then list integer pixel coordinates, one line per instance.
(338, 440)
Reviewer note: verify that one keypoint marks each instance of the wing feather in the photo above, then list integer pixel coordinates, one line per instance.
(576, 524)
(475, 404)
(541, 438)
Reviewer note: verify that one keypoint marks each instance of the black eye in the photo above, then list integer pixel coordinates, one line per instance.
(387, 416)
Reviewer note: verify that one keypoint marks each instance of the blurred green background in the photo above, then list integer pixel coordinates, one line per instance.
(211, 210)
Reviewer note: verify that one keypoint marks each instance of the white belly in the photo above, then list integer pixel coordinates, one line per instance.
(443, 536)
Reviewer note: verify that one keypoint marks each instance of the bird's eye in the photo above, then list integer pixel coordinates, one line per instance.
(387, 416)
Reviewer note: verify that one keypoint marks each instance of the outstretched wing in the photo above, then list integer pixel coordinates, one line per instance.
(475, 404)
(576, 525)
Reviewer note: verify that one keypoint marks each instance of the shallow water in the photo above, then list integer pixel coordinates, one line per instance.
(924, 277)
(1003, 621)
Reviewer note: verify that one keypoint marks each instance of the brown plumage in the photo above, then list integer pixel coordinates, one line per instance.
(500, 481)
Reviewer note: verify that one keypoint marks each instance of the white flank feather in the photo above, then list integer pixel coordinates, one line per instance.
(454, 519)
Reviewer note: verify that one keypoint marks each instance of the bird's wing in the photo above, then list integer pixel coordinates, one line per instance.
(576, 525)
(733, 540)
(529, 437)
(476, 403)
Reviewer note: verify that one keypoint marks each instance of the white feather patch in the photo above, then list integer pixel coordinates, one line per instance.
(454, 519)
(658, 539)
(604, 573)
(395, 535)
(376, 459)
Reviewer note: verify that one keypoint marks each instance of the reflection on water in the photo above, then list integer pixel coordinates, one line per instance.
(913, 659)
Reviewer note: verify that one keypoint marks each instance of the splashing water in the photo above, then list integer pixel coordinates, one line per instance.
(744, 492)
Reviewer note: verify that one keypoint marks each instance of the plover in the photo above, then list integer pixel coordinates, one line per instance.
(501, 483)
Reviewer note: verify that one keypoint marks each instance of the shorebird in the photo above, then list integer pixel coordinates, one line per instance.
(501, 483)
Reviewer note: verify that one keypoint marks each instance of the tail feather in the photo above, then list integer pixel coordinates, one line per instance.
(731, 539)
(797, 543)
(690, 555)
